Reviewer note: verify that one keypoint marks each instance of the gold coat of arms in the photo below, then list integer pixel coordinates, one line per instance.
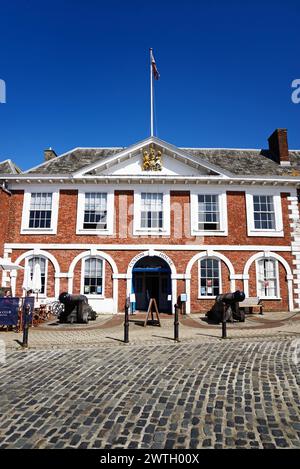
(152, 160)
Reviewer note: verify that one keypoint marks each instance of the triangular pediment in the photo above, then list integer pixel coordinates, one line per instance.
(152, 157)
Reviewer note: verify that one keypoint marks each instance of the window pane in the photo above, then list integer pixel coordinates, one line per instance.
(40, 210)
(208, 212)
(42, 262)
(209, 277)
(267, 278)
(95, 211)
(264, 215)
(151, 210)
(93, 276)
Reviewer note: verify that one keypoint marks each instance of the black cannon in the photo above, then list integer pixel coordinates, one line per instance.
(76, 309)
(227, 304)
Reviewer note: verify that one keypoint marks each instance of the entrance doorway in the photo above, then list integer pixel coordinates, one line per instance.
(152, 279)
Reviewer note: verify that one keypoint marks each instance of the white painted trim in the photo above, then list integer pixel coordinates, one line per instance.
(26, 208)
(264, 297)
(92, 297)
(251, 230)
(209, 297)
(201, 255)
(41, 296)
(285, 264)
(159, 247)
(222, 201)
(67, 181)
(165, 230)
(163, 256)
(47, 255)
(133, 149)
(80, 211)
(103, 255)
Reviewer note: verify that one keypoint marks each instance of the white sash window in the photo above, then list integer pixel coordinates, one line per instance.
(40, 211)
(267, 278)
(151, 213)
(208, 212)
(264, 214)
(42, 261)
(93, 276)
(209, 277)
(151, 210)
(95, 211)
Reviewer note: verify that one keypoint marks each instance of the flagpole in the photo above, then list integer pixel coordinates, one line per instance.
(151, 97)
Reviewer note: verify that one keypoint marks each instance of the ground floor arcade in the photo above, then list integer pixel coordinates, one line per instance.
(108, 274)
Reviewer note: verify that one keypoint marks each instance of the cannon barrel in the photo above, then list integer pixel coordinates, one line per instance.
(76, 308)
(229, 298)
(229, 301)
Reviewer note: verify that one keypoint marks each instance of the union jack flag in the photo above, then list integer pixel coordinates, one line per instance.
(154, 67)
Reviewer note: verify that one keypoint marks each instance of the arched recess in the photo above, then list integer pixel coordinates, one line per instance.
(100, 255)
(270, 255)
(37, 252)
(153, 253)
(202, 255)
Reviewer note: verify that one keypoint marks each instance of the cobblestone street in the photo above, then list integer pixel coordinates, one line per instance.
(230, 394)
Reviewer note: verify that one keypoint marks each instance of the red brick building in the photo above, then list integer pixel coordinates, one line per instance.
(156, 220)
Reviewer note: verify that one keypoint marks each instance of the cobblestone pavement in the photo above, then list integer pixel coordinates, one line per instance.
(233, 394)
(108, 330)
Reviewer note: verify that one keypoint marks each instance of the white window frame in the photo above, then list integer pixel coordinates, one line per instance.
(137, 229)
(209, 297)
(222, 200)
(27, 259)
(90, 296)
(26, 211)
(251, 230)
(110, 212)
(278, 297)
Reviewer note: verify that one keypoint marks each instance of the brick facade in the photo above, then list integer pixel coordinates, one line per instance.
(66, 234)
(237, 249)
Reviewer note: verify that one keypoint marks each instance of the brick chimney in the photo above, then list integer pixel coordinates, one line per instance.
(49, 154)
(278, 146)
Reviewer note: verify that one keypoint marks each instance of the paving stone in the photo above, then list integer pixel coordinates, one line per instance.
(153, 396)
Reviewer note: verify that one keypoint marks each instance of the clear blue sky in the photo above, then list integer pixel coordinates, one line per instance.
(77, 73)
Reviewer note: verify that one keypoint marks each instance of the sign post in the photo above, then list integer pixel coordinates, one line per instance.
(26, 326)
(28, 308)
(176, 324)
(224, 330)
(126, 322)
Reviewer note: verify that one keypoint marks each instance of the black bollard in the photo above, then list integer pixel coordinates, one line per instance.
(176, 324)
(126, 323)
(224, 332)
(25, 326)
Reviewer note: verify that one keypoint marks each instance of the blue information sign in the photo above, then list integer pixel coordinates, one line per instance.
(9, 311)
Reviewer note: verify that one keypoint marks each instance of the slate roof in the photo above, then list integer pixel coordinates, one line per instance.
(74, 160)
(238, 162)
(247, 162)
(8, 167)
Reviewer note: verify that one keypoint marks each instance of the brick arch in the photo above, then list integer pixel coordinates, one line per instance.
(99, 255)
(47, 255)
(282, 261)
(153, 253)
(203, 255)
